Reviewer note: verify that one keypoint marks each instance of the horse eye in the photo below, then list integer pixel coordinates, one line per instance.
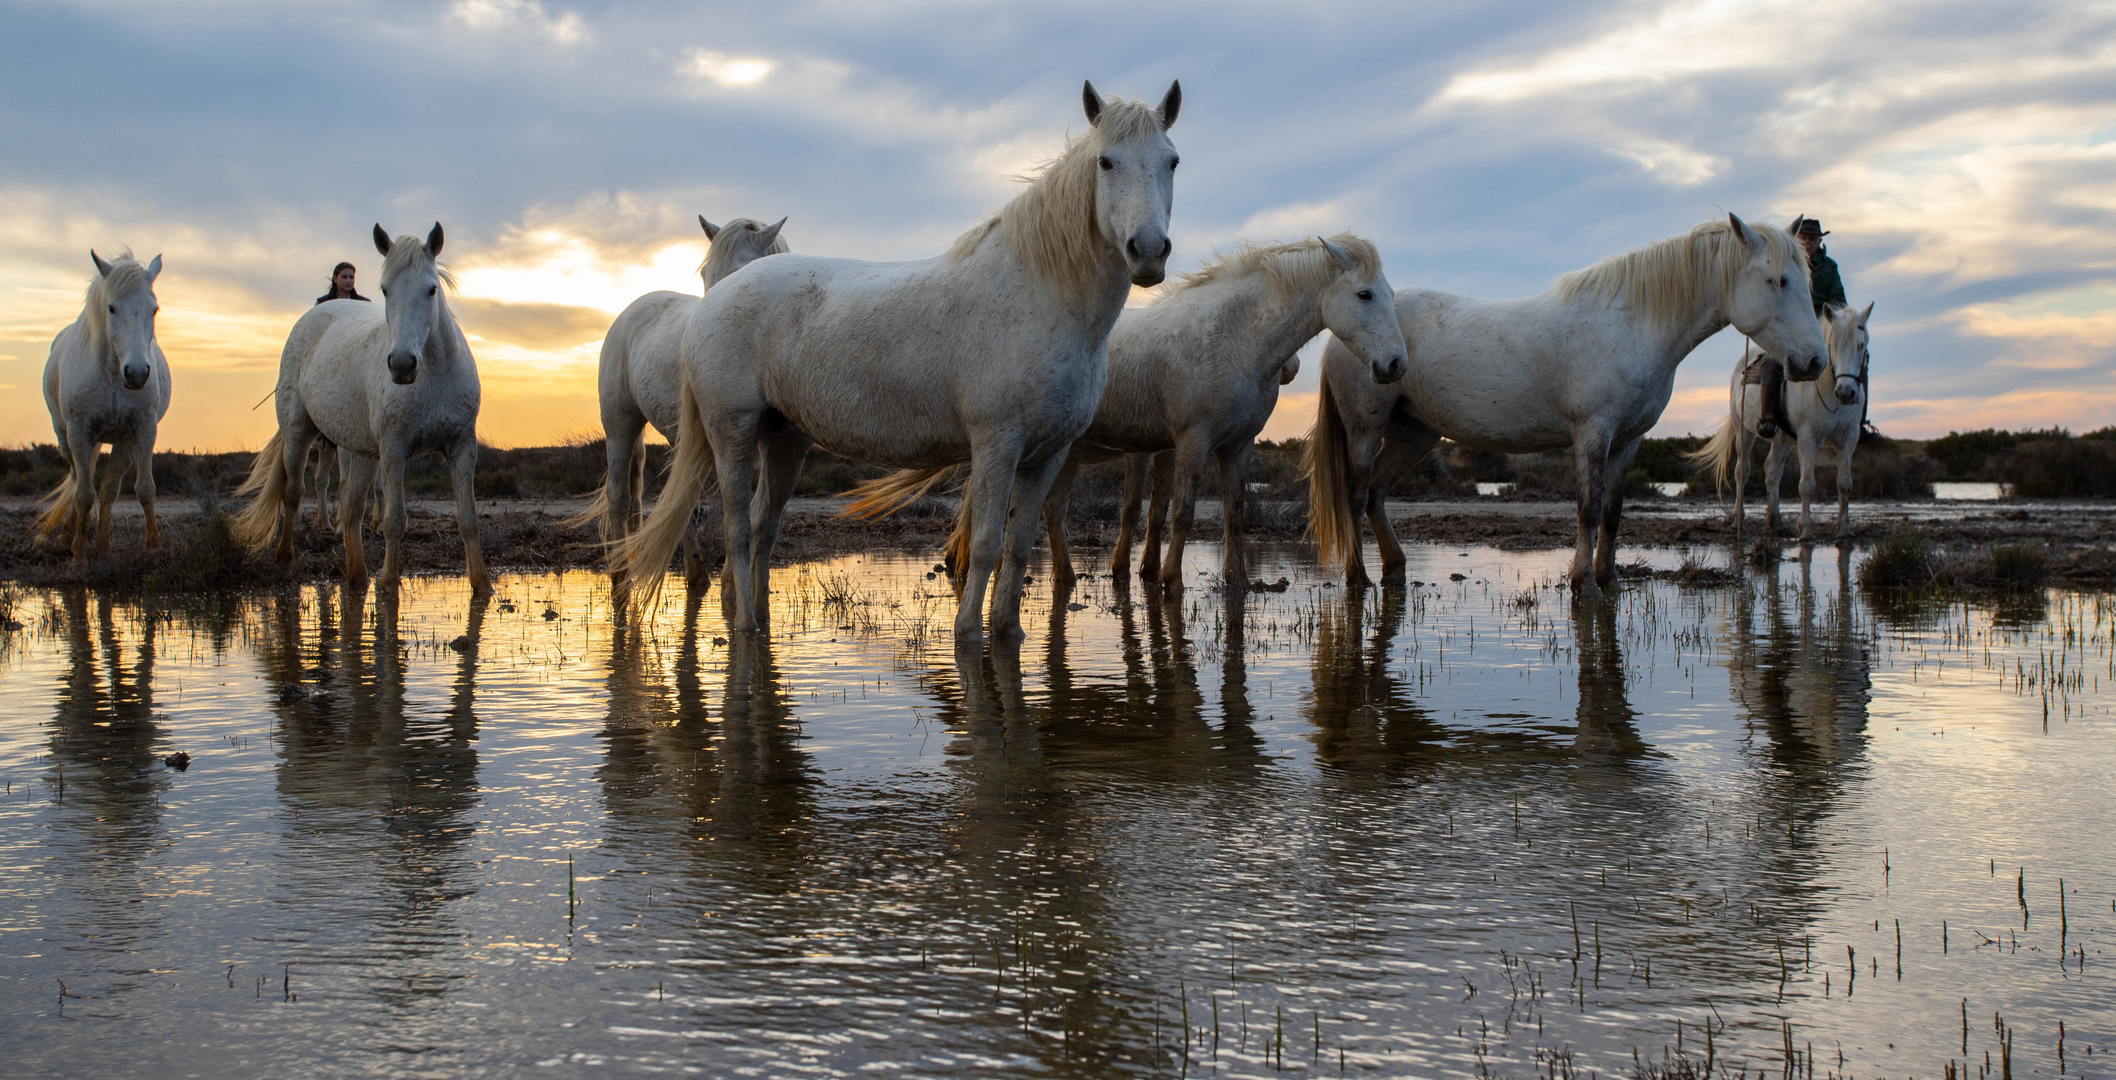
(432, 289)
(1366, 294)
(1781, 281)
(113, 309)
(1105, 163)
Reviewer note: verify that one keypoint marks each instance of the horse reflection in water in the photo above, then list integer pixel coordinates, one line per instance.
(108, 787)
(1803, 671)
(736, 788)
(1368, 721)
(370, 785)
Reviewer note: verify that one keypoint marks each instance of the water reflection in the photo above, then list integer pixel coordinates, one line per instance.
(1801, 668)
(377, 789)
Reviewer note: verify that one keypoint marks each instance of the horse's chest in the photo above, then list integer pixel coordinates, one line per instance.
(112, 417)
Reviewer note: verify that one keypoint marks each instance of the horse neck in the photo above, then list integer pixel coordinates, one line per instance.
(444, 337)
(1277, 324)
(1095, 304)
(1681, 336)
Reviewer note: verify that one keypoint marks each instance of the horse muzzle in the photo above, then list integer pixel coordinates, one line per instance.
(1806, 369)
(136, 376)
(1847, 389)
(403, 368)
(1147, 259)
(1390, 369)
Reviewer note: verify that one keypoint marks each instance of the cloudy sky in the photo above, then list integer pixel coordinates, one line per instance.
(1963, 154)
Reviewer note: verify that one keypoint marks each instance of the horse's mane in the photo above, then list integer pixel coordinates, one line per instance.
(126, 274)
(718, 255)
(1662, 279)
(1292, 268)
(409, 253)
(1051, 226)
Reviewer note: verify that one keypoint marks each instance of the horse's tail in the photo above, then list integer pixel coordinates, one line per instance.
(58, 509)
(1717, 454)
(644, 555)
(1331, 516)
(885, 495)
(957, 555)
(255, 523)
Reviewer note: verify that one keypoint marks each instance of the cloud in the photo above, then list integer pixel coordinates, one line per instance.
(491, 15)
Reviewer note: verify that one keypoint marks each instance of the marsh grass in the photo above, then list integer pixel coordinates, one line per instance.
(1910, 561)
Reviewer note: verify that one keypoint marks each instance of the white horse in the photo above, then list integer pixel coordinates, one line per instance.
(106, 382)
(1587, 365)
(995, 352)
(641, 378)
(382, 381)
(1197, 374)
(1827, 412)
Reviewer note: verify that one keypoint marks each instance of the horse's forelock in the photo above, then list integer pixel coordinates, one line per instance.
(408, 253)
(126, 275)
(1840, 325)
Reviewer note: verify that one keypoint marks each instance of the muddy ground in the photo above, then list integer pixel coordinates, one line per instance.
(532, 535)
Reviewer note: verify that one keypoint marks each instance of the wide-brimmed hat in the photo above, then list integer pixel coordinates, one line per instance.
(1807, 226)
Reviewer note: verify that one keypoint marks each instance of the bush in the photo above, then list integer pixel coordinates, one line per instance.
(2067, 468)
(1901, 561)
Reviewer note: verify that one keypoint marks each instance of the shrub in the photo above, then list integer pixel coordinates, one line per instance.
(1900, 561)
(2067, 468)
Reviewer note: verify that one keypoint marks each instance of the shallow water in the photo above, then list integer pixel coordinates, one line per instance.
(1457, 830)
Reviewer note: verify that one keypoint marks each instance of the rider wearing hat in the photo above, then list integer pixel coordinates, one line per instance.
(1826, 286)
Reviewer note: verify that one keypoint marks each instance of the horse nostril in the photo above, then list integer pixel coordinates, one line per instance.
(1168, 247)
(1131, 248)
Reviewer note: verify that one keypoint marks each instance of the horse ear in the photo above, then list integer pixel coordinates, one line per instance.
(154, 270)
(771, 233)
(381, 239)
(1090, 100)
(1338, 255)
(433, 242)
(1171, 103)
(102, 268)
(712, 231)
(1867, 314)
(1741, 229)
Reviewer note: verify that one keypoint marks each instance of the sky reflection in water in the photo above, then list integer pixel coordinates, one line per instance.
(1433, 832)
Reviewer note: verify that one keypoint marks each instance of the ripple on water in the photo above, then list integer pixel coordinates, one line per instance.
(1459, 828)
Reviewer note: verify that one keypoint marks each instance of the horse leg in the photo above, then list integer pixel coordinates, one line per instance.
(1031, 484)
(293, 460)
(735, 464)
(107, 491)
(1135, 466)
(86, 453)
(990, 486)
(1054, 508)
(1743, 442)
(1157, 515)
(143, 487)
(783, 451)
(1773, 479)
(1405, 445)
(1612, 512)
(359, 477)
(325, 458)
(1234, 500)
(394, 458)
(1590, 452)
(1189, 461)
(463, 470)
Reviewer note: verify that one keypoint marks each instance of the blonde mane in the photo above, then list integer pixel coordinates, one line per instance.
(1840, 327)
(1662, 280)
(719, 255)
(409, 253)
(1050, 227)
(1298, 267)
(126, 274)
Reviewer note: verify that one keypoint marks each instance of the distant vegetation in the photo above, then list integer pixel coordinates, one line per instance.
(2051, 463)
